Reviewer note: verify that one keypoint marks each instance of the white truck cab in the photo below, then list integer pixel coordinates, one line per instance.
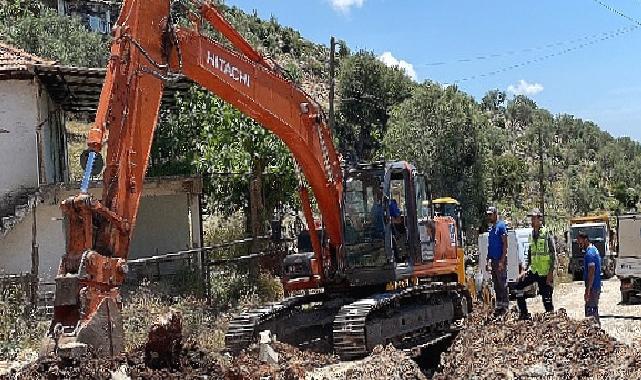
(599, 235)
(628, 261)
(517, 254)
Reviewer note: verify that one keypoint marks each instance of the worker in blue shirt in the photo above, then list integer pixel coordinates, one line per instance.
(591, 276)
(394, 211)
(497, 257)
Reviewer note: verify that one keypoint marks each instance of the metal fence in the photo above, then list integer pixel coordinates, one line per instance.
(172, 267)
(17, 287)
(266, 254)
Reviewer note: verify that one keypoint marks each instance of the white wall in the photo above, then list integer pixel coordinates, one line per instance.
(18, 151)
(15, 248)
(163, 226)
(25, 108)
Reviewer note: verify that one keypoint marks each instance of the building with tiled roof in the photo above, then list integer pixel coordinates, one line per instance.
(16, 62)
(36, 97)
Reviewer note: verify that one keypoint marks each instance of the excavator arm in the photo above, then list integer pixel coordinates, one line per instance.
(148, 49)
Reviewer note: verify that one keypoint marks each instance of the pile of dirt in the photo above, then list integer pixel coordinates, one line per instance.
(194, 363)
(550, 346)
(293, 364)
(384, 363)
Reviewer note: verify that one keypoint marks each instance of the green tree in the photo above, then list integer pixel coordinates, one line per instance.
(628, 197)
(13, 9)
(206, 135)
(494, 101)
(508, 176)
(439, 130)
(583, 192)
(55, 37)
(520, 111)
(367, 89)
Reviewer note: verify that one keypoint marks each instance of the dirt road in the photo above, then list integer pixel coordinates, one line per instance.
(613, 315)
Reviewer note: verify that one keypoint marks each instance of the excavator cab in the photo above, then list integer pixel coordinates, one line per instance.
(448, 206)
(380, 222)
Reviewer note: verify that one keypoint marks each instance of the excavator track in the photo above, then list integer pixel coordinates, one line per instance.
(244, 328)
(406, 318)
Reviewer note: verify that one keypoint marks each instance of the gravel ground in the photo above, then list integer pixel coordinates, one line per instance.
(293, 364)
(384, 363)
(550, 346)
(570, 297)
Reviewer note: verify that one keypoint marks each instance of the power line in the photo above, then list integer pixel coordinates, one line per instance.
(618, 12)
(482, 57)
(548, 56)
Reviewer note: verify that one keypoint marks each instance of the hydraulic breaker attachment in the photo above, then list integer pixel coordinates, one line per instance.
(87, 310)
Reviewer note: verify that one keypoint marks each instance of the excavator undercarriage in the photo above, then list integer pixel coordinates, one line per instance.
(351, 327)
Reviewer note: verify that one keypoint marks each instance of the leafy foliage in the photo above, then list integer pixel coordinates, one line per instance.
(208, 135)
(428, 128)
(44, 33)
(508, 175)
(585, 170)
(368, 90)
(12, 9)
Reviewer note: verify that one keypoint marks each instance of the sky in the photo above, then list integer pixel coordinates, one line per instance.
(570, 56)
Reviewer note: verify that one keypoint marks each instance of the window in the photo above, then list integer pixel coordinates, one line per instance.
(595, 234)
(364, 223)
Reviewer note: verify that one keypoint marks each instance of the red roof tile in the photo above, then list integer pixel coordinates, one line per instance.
(12, 58)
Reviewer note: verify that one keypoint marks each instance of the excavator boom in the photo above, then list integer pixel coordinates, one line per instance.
(147, 50)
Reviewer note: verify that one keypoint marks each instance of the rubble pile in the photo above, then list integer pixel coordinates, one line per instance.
(193, 363)
(383, 363)
(292, 364)
(549, 346)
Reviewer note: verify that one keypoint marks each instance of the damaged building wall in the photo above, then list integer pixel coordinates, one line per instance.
(168, 221)
(15, 248)
(172, 234)
(50, 130)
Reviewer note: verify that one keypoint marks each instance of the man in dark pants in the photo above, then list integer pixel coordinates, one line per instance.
(540, 266)
(591, 276)
(497, 256)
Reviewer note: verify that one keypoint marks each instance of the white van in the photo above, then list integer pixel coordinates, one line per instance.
(517, 252)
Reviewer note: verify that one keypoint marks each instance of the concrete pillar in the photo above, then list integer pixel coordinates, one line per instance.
(195, 220)
(61, 7)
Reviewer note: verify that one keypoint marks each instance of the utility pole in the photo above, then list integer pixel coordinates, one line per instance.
(541, 172)
(332, 84)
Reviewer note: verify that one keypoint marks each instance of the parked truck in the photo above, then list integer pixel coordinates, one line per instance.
(628, 262)
(598, 230)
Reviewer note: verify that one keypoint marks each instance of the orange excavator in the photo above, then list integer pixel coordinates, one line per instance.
(383, 268)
